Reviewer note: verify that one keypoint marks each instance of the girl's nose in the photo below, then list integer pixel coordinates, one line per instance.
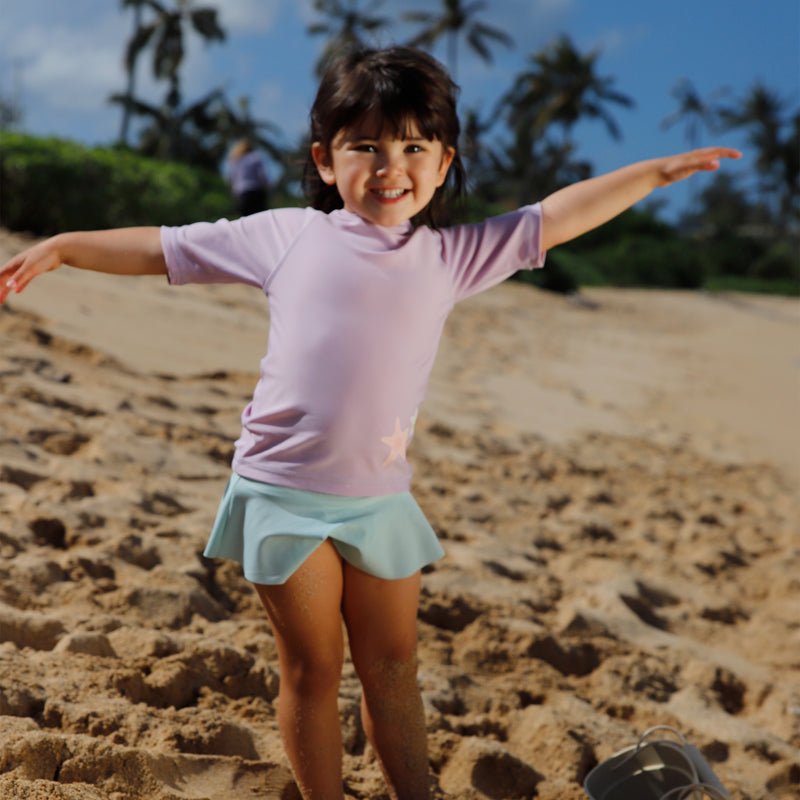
(389, 164)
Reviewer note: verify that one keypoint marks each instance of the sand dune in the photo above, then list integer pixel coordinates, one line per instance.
(615, 483)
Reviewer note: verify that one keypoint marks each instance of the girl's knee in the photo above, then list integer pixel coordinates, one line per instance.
(390, 671)
(312, 676)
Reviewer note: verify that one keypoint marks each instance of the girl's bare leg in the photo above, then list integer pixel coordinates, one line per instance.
(305, 615)
(381, 618)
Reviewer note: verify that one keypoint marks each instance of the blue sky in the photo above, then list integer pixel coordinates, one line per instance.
(65, 58)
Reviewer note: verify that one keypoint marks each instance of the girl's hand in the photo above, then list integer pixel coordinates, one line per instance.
(676, 168)
(16, 274)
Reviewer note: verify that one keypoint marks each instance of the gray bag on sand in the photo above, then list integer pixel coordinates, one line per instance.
(657, 770)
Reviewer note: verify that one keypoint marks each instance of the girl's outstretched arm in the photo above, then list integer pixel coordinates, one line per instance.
(579, 208)
(124, 251)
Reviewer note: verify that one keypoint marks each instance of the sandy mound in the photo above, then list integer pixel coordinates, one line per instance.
(620, 520)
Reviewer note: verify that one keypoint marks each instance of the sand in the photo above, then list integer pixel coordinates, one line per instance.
(615, 479)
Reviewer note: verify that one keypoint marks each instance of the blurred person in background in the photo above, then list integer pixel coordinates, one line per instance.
(247, 178)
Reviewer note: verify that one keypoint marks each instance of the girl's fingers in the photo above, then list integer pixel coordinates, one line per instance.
(713, 158)
(712, 153)
(725, 152)
(682, 166)
(9, 268)
(7, 282)
(17, 274)
(25, 266)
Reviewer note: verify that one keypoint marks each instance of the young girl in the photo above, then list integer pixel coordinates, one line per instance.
(318, 510)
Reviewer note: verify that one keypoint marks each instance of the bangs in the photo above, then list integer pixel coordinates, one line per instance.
(375, 122)
(394, 109)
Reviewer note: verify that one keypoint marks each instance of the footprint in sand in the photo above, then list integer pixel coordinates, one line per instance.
(493, 771)
(50, 532)
(18, 476)
(56, 442)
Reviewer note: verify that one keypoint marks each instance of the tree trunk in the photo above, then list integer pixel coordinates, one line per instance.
(129, 91)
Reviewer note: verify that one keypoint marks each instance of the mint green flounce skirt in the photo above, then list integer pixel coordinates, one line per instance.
(271, 530)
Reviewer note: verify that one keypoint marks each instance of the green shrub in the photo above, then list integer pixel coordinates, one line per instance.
(634, 249)
(643, 261)
(730, 255)
(631, 223)
(736, 283)
(52, 185)
(781, 261)
(565, 272)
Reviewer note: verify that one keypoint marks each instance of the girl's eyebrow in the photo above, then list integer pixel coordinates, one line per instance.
(360, 136)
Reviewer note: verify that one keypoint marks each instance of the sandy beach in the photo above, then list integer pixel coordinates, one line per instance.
(615, 479)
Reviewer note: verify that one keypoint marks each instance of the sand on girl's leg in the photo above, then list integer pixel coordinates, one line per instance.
(305, 615)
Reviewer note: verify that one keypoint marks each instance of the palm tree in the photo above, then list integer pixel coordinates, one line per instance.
(166, 34)
(561, 88)
(201, 133)
(528, 169)
(347, 26)
(791, 161)
(773, 134)
(233, 124)
(179, 134)
(132, 53)
(454, 20)
(473, 149)
(697, 112)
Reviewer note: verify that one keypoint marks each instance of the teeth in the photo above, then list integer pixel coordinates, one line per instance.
(390, 194)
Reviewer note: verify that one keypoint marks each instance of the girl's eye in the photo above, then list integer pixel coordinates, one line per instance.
(366, 148)
(414, 148)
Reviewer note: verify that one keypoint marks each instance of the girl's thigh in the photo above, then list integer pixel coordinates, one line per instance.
(381, 616)
(305, 612)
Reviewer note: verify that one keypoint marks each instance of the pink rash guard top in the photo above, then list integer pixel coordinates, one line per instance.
(356, 314)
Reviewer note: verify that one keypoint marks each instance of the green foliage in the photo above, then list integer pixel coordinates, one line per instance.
(727, 283)
(635, 249)
(753, 286)
(51, 185)
(631, 223)
(644, 261)
(730, 255)
(781, 261)
(638, 250)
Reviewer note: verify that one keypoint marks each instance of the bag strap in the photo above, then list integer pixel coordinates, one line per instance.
(682, 792)
(675, 746)
(655, 728)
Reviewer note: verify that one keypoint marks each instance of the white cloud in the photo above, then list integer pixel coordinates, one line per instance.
(247, 16)
(287, 110)
(304, 10)
(68, 67)
(553, 7)
(615, 41)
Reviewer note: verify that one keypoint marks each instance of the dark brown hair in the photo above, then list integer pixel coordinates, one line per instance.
(398, 85)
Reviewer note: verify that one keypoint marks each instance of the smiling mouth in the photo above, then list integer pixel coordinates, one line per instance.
(389, 194)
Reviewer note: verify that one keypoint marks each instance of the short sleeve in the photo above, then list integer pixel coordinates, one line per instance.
(483, 254)
(247, 250)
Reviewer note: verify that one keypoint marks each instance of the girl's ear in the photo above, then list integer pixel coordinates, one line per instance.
(324, 164)
(447, 160)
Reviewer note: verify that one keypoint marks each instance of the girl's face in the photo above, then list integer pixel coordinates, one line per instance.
(384, 179)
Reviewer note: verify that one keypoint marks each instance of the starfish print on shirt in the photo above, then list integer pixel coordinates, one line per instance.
(398, 442)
